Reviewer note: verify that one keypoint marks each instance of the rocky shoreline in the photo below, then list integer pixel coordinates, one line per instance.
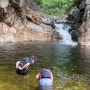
(24, 21)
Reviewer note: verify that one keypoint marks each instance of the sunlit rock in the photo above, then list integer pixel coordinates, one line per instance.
(25, 21)
(84, 38)
(4, 3)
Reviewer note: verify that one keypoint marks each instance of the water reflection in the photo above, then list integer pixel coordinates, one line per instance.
(85, 55)
(70, 65)
(86, 51)
(45, 88)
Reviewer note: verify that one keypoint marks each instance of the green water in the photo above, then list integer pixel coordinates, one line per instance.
(70, 65)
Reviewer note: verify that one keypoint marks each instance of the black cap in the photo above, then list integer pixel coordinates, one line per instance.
(34, 58)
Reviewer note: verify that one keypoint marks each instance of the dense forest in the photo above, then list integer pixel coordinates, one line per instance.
(56, 7)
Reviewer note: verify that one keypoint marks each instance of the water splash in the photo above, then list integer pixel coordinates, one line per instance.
(62, 28)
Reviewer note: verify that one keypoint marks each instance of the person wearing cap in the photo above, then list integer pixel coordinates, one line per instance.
(45, 78)
(22, 66)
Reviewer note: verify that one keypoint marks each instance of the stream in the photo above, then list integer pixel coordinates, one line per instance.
(70, 65)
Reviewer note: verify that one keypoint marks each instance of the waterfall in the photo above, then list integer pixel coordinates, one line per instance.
(63, 29)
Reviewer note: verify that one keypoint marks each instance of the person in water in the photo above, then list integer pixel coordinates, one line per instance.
(45, 77)
(22, 66)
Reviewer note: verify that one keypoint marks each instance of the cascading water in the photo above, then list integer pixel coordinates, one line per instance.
(63, 29)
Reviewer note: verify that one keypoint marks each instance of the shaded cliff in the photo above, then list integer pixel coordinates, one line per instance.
(80, 20)
(23, 20)
(84, 38)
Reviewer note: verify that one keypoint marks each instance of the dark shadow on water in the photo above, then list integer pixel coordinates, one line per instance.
(44, 88)
(37, 88)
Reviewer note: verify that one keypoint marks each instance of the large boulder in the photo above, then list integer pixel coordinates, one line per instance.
(25, 22)
(84, 38)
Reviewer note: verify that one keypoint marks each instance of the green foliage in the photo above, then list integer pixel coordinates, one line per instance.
(56, 7)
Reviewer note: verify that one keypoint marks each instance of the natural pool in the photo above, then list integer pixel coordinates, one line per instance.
(70, 65)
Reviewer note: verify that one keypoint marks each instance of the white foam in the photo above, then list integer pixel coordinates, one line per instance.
(62, 29)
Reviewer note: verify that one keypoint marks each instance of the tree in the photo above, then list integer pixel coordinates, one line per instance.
(56, 7)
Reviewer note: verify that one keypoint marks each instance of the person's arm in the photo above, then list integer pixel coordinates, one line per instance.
(25, 66)
(17, 64)
(38, 76)
(51, 76)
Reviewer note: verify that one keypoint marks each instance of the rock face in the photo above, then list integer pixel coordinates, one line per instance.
(84, 38)
(4, 3)
(22, 20)
(75, 19)
(80, 20)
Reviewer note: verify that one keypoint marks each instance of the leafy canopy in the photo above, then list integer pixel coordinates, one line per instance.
(56, 7)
